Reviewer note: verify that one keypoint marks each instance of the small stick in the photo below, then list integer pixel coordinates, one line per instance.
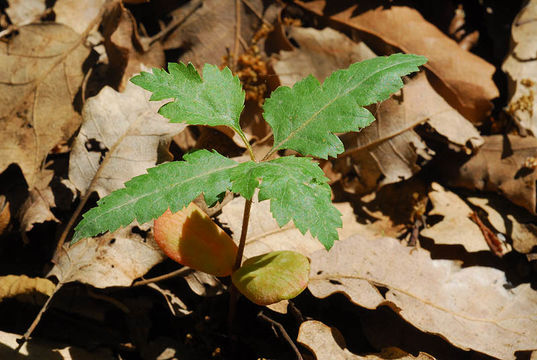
(184, 271)
(237, 33)
(32, 327)
(283, 332)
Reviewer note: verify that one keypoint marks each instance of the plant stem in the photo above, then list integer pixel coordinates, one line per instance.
(244, 232)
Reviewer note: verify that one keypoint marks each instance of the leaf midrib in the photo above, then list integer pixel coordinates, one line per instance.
(308, 121)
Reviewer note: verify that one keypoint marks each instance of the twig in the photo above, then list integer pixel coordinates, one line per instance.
(175, 23)
(237, 33)
(283, 332)
(32, 327)
(184, 271)
(256, 13)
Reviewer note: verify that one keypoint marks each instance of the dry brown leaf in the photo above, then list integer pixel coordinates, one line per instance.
(33, 290)
(42, 350)
(118, 139)
(77, 14)
(469, 307)
(42, 72)
(467, 77)
(265, 235)
(455, 227)
(320, 53)
(521, 66)
(125, 50)
(387, 151)
(209, 33)
(503, 165)
(511, 221)
(36, 208)
(22, 12)
(328, 344)
(113, 259)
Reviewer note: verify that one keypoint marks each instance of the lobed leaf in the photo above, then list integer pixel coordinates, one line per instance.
(298, 191)
(217, 99)
(172, 185)
(304, 118)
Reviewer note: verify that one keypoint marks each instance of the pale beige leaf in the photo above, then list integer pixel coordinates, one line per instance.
(469, 307)
(41, 75)
(22, 12)
(114, 259)
(327, 343)
(77, 14)
(33, 290)
(466, 78)
(204, 284)
(43, 350)
(521, 67)
(125, 126)
(455, 227)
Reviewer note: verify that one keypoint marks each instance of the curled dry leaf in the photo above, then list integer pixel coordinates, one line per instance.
(503, 165)
(455, 227)
(42, 350)
(327, 343)
(42, 72)
(469, 307)
(114, 259)
(204, 284)
(124, 47)
(469, 86)
(33, 290)
(521, 66)
(104, 157)
(208, 34)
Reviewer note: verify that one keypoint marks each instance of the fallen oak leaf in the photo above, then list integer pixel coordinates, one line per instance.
(42, 59)
(436, 296)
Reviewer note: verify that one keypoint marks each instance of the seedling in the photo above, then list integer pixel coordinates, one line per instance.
(303, 118)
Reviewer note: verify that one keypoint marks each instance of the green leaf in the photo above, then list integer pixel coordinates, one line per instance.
(304, 118)
(298, 191)
(269, 278)
(172, 185)
(217, 99)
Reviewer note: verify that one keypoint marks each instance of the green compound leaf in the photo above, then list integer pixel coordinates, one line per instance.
(304, 118)
(217, 99)
(172, 185)
(298, 191)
